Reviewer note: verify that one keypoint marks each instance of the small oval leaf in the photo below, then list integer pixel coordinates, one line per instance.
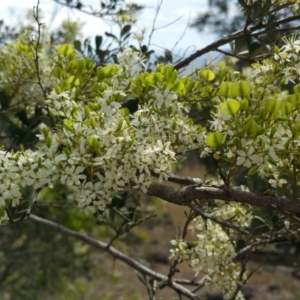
(66, 50)
(251, 128)
(225, 89)
(207, 74)
(229, 107)
(214, 139)
(240, 89)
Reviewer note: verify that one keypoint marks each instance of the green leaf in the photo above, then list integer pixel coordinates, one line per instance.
(207, 74)
(98, 41)
(80, 67)
(276, 50)
(163, 284)
(179, 87)
(286, 107)
(70, 79)
(77, 45)
(257, 9)
(230, 107)
(214, 139)
(140, 276)
(168, 56)
(253, 170)
(288, 143)
(48, 141)
(59, 73)
(244, 105)
(296, 129)
(111, 35)
(239, 44)
(68, 125)
(87, 111)
(66, 50)
(255, 45)
(293, 99)
(225, 89)
(240, 89)
(237, 142)
(252, 128)
(272, 105)
(263, 220)
(126, 36)
(296, 88)
(276, 67)
(93, 142)
(106, 72)
(144, 49)
(125, 30)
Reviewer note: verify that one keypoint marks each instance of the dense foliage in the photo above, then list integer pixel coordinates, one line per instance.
(96, 124)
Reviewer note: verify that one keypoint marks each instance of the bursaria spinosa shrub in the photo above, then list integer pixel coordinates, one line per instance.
(97, 145)
(121, 126)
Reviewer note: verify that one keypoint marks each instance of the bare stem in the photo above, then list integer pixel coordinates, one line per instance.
(36, 48)
(115, 253)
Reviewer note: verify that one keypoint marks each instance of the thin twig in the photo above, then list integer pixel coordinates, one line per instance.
(154, 22)
(96, 13)
(113, 252)
(127, 227)
(250, 60)
(206, 216)
(173, 266)
(36, 48)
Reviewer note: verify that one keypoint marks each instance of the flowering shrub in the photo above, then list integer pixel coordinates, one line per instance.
(119, 126)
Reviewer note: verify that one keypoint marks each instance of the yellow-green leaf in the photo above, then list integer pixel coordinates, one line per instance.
(286, 107)
(253, 170)
(66, 50)
(296, 88)
(207, 74)
(240, 89)
(106, 72)
(244, 105)
(252, 128)
(214, 139)
(230, 107)
(225, 89)
(179, 87)
(71, 79)
(296, 129)
(93, 142)
(272, 105)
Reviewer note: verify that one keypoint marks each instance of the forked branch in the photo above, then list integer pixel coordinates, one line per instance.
(115, 253)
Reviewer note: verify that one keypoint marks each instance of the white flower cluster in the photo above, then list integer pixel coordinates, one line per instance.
(213, 251)
(236, 212)
(256, 136)
(97, 149)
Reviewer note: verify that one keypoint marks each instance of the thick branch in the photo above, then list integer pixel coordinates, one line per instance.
(180, 196)
(210, 47)
(238, 35)
(113, 252)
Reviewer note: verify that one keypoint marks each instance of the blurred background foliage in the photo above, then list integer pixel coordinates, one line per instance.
(38, 263)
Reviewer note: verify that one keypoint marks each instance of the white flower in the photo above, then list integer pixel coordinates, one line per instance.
(277, 182)
(139, 34)
(217, 124)
(247, 159)
(72, 175)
